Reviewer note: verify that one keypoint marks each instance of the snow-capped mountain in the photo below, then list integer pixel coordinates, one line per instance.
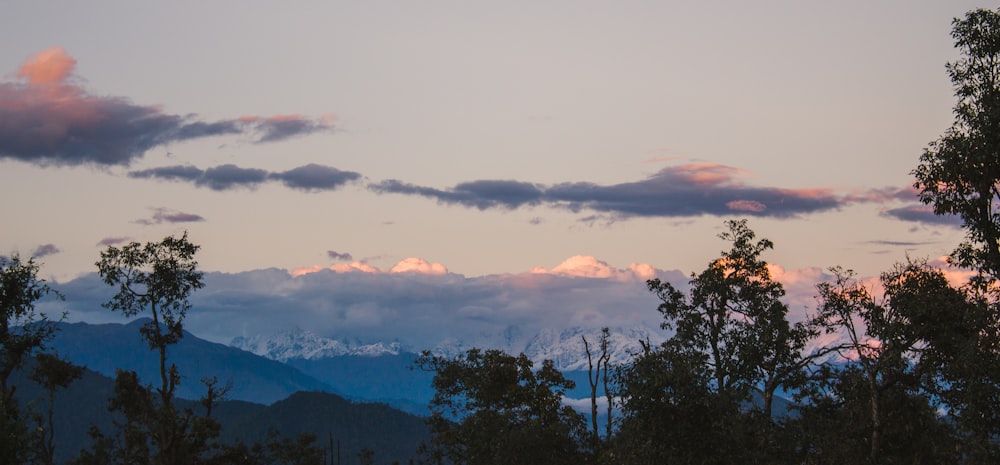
(564, 347)
(568, 352)
(306, 345)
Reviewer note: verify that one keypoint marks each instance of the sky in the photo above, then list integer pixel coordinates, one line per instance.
(420, 170)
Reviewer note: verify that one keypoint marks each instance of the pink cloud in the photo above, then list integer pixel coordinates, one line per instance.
(51, 66)
(408, 265)
(585, 266)
(46, 119)
(956, 276)
(353, 267)
(800, 288)
(279, 118)
(811, 275)
(642, 271)
(418, 265)
(707, 173)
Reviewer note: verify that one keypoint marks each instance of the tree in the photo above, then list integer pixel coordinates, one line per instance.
(894, 345)
(366, 456)
(23, 332)
(959, 173)
(272, 450)
(670, 412)
(493, 408)
(51, 373)
(959, 352)
(157, 277)
(735, 317)
(833, 423)
(594, 377)
(732, 326)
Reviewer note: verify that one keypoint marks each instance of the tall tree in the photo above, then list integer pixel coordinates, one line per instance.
(731, 327)
(594, 377)
(23, 331)
(959, 173)
(157, 277)
(735, 317)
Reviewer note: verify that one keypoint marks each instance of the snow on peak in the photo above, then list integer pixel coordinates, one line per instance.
(300, 343)
(564, 347)
(567, 351)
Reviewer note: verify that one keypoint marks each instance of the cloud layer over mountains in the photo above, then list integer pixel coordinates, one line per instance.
(418, 303)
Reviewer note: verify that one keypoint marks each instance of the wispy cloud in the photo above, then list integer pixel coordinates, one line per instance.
(899, 243)
(46, 118)
(313, 177)
(675, 191)
(44, 250)
(482, 194)
(308, 178)
(919, 213)
(339, 256)
(280, 127)
(112, 241)
(680, 191)
(166, 215)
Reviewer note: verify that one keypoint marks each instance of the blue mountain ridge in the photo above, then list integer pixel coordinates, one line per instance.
(392, 379)
(104, 348)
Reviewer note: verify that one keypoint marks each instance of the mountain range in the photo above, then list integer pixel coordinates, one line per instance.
(298, 381)
(104, 348)
(264, 394)
(395, 436)
(387, 372)
(564, 347)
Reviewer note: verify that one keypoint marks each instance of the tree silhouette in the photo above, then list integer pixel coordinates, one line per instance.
(157, 277)
(51, 373)
(23, 331)
(493, 408)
